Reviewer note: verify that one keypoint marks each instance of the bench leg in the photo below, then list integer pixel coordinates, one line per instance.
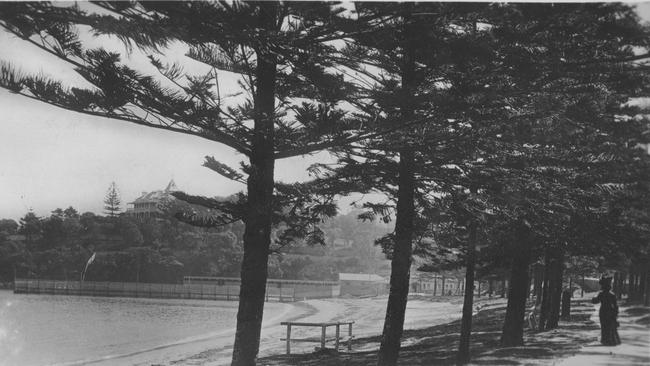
(322, 338)
(337, 337)
(288, 339)
(350, 337)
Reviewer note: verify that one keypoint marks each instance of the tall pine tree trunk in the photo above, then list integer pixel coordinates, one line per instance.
(630, 284)
(538, 272)
(619, 280)
(400, 263)
(556, 291)
(643, 284)
(646, 290)
(463, 355)
(257, 234)
(552, 291)
(404, 224)
(513, 327)
(546, 297)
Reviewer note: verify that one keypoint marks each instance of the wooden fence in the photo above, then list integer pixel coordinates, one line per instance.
(302, 289)
(149, 290)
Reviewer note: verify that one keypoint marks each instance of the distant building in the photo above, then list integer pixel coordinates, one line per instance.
(436, 284)
(362, 284)
(149, 203)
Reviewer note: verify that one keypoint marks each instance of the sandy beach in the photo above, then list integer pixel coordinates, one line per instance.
(368, 315)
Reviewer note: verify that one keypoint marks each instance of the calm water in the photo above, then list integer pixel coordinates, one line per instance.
(50, 330)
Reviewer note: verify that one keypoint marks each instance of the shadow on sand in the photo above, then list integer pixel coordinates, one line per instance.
(437, 345)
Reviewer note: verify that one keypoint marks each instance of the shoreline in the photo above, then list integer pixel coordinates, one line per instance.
(191, 347)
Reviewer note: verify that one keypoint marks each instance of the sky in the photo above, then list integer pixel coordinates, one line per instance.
(51, 157)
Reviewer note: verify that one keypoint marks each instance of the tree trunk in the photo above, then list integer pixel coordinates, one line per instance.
(617, 285)
(630, 280)
(646, 290)
(404, 222)
(503, 288)
(556, 292)
(435, 285)
(512, 334)
(544, 311)
(529, 293)
(538, 273)
(463, 356)
(642, 285)
(622, 284)
(400, 263)
(631, 294)
(257, 233)
(552, 292)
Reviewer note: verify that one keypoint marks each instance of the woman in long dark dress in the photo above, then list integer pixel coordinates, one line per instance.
(608, 313)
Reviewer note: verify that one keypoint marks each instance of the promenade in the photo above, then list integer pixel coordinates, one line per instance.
(576, 342)
(635, 342)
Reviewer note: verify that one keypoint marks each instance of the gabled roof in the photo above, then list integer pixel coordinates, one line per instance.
(361, 277)
(157, 196)
(171, 187)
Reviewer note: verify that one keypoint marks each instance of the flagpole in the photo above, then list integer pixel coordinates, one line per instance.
(90, 260)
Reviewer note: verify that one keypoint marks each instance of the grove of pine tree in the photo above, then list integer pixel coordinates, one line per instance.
(500, 126)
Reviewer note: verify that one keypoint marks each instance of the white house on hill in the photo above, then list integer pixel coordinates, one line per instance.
(149, 203)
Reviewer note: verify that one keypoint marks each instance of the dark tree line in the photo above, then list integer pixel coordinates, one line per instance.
(163, 250)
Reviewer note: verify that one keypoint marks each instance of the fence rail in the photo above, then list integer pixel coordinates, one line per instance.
(149, 290)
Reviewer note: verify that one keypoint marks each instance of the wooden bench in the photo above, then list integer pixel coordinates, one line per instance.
(337, 338)
(531, 317)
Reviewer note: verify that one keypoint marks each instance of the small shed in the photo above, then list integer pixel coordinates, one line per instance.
(362, 284)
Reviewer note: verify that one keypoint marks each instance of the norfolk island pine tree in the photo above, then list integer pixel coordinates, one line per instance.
(517, 149)
(279, 49)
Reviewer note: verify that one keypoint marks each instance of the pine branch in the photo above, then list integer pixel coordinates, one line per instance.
(211, 136)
